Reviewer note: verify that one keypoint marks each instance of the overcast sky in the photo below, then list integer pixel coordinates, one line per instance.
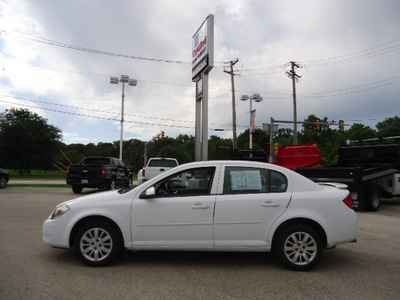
(349, 51)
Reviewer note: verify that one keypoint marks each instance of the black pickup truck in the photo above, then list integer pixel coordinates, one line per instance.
(369, 171)
(99, 172)
(4, 177)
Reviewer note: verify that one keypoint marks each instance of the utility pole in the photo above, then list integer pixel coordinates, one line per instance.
(292, 74)
(231, 64)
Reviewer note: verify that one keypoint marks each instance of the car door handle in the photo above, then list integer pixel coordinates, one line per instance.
(270, 204)
(200, 206)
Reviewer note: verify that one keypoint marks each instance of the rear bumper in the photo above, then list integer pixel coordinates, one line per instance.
(344, 226)
(89, 182)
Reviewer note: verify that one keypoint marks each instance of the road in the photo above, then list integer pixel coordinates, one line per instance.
(30, 269)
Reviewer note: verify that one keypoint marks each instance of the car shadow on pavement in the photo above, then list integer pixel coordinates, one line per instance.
(199, 258)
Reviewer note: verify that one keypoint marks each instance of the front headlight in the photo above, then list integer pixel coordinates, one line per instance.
(59, 211)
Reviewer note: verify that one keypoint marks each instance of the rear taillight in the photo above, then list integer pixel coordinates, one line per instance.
(143, 172)
(104, 172)
(348, 201)
(68, 170)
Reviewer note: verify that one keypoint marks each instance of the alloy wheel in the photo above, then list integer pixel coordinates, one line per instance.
(96, 244)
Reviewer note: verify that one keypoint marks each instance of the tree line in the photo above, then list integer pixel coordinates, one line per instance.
(28, 142)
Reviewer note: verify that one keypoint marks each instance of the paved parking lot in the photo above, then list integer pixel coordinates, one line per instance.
(29, 269)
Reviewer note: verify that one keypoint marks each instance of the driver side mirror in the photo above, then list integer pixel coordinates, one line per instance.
(150, 192)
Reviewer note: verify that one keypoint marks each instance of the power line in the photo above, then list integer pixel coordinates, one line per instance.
(346, 58)
(377, 84)
(100, 111)
(353, 90)
(94, 110)
(95, 117)
(359, 55)
(37, 39)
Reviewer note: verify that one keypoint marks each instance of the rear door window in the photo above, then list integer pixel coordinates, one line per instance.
(239, 180)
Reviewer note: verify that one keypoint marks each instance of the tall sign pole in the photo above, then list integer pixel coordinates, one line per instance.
(202, 63)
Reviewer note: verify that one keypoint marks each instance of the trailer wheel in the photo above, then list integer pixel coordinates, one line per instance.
(372, 199)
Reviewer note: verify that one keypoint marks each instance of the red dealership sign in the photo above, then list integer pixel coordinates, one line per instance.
(203, 47)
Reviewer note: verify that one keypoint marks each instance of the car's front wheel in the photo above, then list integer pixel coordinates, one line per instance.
(299, 247)
(98, 243)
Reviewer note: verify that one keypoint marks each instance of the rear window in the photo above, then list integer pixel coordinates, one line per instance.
(169, 163)
(239, 180)
(96, 161)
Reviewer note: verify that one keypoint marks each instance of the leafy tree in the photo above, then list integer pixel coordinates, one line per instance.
(182, 147)
(260, 140)
(187, 142)
(27, 141)
(326, 138)
(219, 148)
(389, 127)
(133, 154)
(310, 135)
(284, 137)
(359, 131)
(103, 149)
(74, 152)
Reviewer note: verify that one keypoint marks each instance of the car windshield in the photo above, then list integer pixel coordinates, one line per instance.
(162, 163)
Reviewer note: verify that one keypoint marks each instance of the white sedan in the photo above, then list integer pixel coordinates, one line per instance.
(223, 206)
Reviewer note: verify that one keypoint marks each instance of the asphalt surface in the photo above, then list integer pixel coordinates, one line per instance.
(30, 269)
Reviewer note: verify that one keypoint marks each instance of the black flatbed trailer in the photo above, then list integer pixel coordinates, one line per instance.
(369, 171)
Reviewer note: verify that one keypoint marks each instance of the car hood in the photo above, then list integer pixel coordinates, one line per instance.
(100, 198)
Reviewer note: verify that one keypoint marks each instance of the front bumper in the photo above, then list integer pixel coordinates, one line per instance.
(55, 233)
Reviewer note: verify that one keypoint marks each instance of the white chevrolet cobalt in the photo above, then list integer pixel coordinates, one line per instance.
(222, 206)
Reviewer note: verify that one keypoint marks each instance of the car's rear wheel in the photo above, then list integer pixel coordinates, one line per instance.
(77, 189)
(299, 247)
(98, 243)
(130, 183)
(112, 185)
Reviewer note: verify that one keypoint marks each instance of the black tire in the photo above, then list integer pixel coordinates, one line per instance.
(372, 199)
(77, 189)
(98, 243)
(112, 185)
(130, 183)
(299, 247)
(3, 182)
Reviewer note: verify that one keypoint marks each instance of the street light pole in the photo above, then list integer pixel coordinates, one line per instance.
(121, 143)
(257, 98)
(251, 129)
(133, 82)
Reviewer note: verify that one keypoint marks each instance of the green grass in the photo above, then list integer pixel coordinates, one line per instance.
(39, 174)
